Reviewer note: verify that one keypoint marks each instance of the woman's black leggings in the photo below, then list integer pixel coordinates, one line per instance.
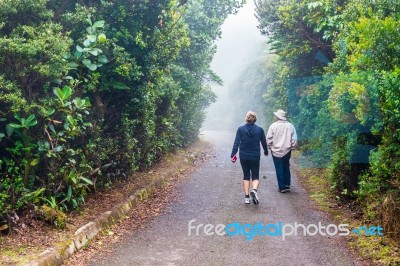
(250, 168)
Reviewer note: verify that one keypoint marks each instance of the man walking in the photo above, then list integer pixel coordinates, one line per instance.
(282, 139)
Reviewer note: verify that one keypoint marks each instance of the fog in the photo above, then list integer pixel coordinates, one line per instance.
(241, 44)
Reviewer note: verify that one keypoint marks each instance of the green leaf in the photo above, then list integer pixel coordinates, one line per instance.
(77, 54)
(102, 59)
(30, 121)
(99, 24)
(47, 145)
(71, 120)
(67, 91)
(79, 49)
(71, 152)
(35, 161)
(91, 37)
(71, 160)
(87, 102)
(89, 20)
(16, 116)
(15, 125)
(50, 111)
(58, 92)
(94, 52)
(79, 103)
(59, 148)
(2, 135)
(40, 145)
(63, 94)
(72, 65)
(89, 30)
(88, 181)
(86, 62)
(86, 43)
(92, 67)
(51, 126)
(9, 130)
(67, 55)
(69, 193)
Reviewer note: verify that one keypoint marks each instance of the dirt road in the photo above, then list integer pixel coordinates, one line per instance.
(212, 195)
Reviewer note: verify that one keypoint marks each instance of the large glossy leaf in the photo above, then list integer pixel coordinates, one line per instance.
(9, 130)
(35, 161)
(77, 54)
(92, 67)
(94, 52)
(99, 24)
(102, 59)
(69, 194)
(88, 181)
(79, 103)
(71, 120)
(50, 111)
(86, 43)
(86, 62)
(15, 125)
(89, 30)
(30, 121)
(63, 94)
(67, 55)
(91, 37)
(89, 20)
(73, 65)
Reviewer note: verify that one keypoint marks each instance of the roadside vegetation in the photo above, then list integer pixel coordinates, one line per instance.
(336, 72)
(92, 91)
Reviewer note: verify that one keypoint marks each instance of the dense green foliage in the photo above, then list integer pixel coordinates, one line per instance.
(338, 76)
(94, 90)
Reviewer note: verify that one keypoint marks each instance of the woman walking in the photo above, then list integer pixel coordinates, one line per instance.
(247, 140)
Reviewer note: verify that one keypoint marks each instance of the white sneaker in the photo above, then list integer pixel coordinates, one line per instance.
(247, 200)
(254, 196)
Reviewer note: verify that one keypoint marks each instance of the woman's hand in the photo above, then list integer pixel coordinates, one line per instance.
(234, 158)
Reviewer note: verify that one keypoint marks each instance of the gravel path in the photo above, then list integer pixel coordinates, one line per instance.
(212, 195)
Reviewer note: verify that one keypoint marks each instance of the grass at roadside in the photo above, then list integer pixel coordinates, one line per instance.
(380, 250)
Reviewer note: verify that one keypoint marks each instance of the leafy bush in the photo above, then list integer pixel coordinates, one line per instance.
(94, 90)
(339, 68)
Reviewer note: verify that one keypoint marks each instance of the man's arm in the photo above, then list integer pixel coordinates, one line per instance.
(294, 138)
(270, 135)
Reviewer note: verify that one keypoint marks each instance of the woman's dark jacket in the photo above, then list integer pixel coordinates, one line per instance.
(247, 140)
